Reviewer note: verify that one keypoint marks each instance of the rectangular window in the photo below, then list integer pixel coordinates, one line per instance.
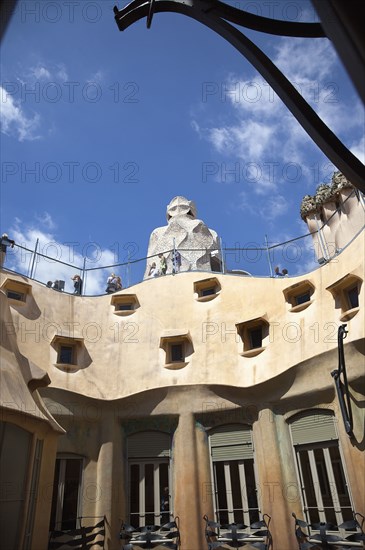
(66, 355)
(124, 307)
(149, 493)
(255, 336)
(325, 494)
(234, 476)
(177, 353)
(15, 295)
(236, 498)
(302, 298)
(66, 494)
(208, 291)
(353, 297)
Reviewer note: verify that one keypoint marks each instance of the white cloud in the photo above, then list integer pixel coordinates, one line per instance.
(304, 61)
(61, 72)
(261, 130)
(41, 73)
(249, 140)
(275, 206)
(54, 72)
(358, 149)
(50, 268)
(14, 121)
(46, 220)
(98, 76)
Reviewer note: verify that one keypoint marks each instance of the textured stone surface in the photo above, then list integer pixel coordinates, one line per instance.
(308, 206)
(325, 193)
(197, 244)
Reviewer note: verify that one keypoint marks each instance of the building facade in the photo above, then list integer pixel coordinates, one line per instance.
(191, 394)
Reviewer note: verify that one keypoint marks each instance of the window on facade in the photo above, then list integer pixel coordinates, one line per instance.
(346, 294)
(149, 484)
(176, 348)
(299, 295)
(70, 353)
(124, 304)
(302, 298)
(177, 352)
(325, 495)
(234, 479)
(12, 294)
(16, 290)
(124, 307)
(353, 296)
(253, 334)
(67, 355)
(206, 289)
(66, 493)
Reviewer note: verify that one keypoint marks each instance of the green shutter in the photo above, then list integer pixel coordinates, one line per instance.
(149, 445)
(313, 428)
(231, 443)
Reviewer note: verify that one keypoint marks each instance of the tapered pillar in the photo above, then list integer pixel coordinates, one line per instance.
(109, 479)
(191, 481)
(278, 485)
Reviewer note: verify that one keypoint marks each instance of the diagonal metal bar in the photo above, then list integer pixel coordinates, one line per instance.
(204, 12)
(263, 24)
(343, 23)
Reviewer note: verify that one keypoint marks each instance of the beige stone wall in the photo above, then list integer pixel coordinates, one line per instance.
(122, 379)
(124, 352)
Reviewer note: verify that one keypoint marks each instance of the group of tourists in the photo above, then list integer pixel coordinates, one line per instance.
(157, 271)
(113, 284)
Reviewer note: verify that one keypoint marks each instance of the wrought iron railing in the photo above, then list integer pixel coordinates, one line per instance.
(151, 536)
(239, 535)
(242, 259)
(318, 536)
(88, 535)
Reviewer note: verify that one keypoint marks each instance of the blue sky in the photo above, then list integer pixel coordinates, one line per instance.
(102, 128)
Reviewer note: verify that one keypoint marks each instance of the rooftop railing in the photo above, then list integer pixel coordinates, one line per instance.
(297, 255)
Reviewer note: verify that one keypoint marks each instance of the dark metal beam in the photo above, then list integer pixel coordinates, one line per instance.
(210, 13)
(344, 24)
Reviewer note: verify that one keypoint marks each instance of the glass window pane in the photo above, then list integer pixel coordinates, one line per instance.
(308, 487)
(302, 298)
(208, 291)
(251, 491)
(236, 492)
(134, 495)
(177, 352)
(353, 297)
(164, 494)
(339, 476)
(221, 493)
(256, 338)
(71, 493)
(325, 487)
(65, 355)
(149, 496)
(52, 524)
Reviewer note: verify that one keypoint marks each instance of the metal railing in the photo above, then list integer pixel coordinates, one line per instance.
(297, 255)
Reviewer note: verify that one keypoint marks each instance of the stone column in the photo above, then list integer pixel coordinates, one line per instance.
(314, 223)
(353, 451)
(109, 479)
(277, 482)
(191, 476)
(329, 209)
